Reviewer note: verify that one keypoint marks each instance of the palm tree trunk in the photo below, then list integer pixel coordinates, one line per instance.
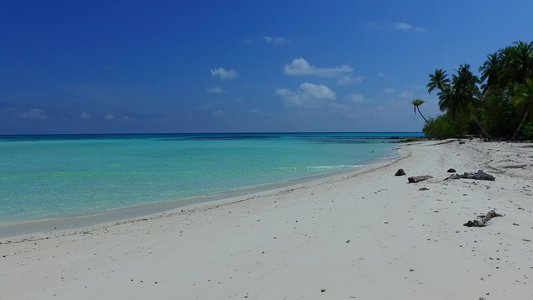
(485, 133)
(418, 108)
(520, 125)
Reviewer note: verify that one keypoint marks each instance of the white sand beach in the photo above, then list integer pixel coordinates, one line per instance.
(369, 235)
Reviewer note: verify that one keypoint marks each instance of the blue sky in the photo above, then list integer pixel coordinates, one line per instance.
(238, 66)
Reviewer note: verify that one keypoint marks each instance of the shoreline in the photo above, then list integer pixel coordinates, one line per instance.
(28, 227)
(77, 189)
(355, 236)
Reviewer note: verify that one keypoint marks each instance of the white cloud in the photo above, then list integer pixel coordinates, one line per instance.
(276, 41)
(85, 115)
(34, 114)
(214, 90)
(309, 90)
(224, 74)
(406, 27)
(109, 117)
(406, 95)
(381, 74)
(357, 98)
(388, 91)
(403, 26)
(356, 79)
(307, 95)
(300, 66)
(247, 41)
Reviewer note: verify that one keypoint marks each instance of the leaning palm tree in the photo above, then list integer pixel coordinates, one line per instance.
(416, 106)
(462, 95)
(523, 99)
(438, 80)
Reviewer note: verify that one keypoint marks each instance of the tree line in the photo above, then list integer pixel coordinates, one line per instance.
(498, 104)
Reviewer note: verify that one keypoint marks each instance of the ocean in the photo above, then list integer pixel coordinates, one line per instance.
(56, 176)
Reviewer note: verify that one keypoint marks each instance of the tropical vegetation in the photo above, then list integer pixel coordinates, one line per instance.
(497, 104)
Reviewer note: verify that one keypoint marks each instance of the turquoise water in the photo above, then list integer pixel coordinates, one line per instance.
(44, 177)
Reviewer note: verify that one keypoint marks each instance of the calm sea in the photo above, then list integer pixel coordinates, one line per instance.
(53, 176)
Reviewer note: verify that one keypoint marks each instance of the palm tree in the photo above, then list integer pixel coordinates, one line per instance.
(492, 71)
(461, 96)
(438, 80)
(523, 98)
(508, 67)
(518, 62)
(506, 72)
(416, 106)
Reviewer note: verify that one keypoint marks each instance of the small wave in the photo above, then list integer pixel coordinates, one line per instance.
(331, 167)
(337, 167)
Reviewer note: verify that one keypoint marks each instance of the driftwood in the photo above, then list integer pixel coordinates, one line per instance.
(415, 179)
(480, 175)
(482, 220)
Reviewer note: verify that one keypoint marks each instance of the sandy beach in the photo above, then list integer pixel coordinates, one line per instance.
(367, 235)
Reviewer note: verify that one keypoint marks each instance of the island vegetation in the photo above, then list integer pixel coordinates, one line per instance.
(496, 105)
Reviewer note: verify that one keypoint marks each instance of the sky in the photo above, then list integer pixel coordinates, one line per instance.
(192, 66)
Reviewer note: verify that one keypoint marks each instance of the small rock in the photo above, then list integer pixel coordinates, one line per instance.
(322, 290)
(423, 189)
(400, 172)
(451, 171)
(348, 241)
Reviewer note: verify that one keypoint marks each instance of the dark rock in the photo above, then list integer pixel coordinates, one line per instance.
(400, 172)
(451, 170)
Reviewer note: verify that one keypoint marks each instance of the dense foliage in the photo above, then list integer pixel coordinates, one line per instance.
(498, 104)
(528, 130)
(443, 127)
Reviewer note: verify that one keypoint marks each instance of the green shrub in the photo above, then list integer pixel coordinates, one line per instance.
(443, 127)
(498, 115)
(527, 131)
